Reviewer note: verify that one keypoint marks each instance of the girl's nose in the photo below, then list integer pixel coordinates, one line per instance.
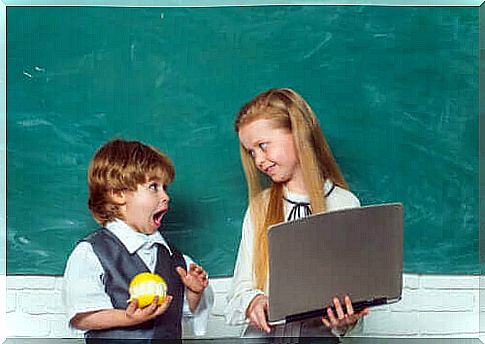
(259, 159)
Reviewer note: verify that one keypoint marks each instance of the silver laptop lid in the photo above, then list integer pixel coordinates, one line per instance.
(354, 251)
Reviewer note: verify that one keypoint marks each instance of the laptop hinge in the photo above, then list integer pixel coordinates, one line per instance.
(357, 306)
(305, 315)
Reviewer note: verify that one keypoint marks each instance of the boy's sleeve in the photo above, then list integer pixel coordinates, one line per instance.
(82, 289)
(199, 318)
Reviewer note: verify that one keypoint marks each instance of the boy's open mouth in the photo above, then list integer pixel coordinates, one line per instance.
(157, 217)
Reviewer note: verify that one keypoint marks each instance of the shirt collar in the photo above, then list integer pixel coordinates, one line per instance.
(132, 239)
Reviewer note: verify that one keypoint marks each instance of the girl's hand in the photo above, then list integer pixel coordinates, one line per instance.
(257, 311)
(195, 279)
(138, 315)
(343, 321)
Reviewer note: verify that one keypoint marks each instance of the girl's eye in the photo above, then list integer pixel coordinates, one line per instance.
(251, 152)
(263, 146)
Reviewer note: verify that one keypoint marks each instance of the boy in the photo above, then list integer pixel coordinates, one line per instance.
(127, 196)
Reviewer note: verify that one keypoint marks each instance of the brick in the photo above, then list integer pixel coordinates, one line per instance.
(481, 294)
(449, 282)
(59, 328)
(436, 300)
(383, 308)
(3, 313)
(24, 325)
(40, 302)
(391, 324)
(442, 301)
(31, 282)
(410, 281)
(407, 302)
(11, 301)
(444, 323)
(58, 283)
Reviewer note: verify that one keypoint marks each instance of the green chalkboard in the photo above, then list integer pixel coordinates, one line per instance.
(395, 89)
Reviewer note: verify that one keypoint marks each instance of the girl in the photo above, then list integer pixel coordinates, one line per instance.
(280, 137)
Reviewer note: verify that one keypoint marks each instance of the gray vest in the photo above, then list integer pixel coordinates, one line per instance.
(119, 268)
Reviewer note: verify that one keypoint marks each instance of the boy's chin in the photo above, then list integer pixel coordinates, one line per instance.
(152, 230)
(148, 231)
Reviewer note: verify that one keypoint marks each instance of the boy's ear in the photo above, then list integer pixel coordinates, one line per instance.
(118, 196)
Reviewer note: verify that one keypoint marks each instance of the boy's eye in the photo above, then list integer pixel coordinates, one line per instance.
(263, 146)
(153, 187)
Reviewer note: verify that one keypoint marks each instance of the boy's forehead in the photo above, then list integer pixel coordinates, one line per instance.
(157, 175)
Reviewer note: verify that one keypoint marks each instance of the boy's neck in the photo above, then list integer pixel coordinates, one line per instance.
(131, 227)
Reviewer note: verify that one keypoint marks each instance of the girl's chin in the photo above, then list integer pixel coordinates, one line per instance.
(278, 179)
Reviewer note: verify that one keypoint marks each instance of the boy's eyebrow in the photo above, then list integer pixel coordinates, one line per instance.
(157, 180)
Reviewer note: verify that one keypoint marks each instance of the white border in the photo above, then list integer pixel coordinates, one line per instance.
(142, 3)
(3, 170)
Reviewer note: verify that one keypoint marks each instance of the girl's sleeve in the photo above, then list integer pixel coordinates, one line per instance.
(200, 317)
(242, 291)
(341, 199)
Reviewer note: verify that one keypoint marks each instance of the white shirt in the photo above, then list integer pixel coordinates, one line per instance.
(83, 290)
(242, 289)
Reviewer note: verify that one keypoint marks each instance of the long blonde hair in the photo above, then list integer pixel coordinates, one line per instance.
(288, 110)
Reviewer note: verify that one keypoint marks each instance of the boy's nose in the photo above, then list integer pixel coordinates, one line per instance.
(164, 197)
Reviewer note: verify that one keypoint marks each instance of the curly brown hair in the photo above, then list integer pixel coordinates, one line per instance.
(121, 165)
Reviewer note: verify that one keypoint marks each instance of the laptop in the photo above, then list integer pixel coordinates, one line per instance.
(355, 251)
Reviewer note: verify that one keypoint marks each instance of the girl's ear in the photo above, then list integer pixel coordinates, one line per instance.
(118, 196)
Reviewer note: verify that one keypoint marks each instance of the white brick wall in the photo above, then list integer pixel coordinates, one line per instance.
(432, 306)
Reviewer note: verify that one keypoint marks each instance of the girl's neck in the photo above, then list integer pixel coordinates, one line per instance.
(296, 183)
(296, 187)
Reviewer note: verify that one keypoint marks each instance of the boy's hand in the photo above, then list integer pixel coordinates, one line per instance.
(195, 279)
(138, 315)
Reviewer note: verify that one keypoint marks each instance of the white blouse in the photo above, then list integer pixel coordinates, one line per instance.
(242, 289)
